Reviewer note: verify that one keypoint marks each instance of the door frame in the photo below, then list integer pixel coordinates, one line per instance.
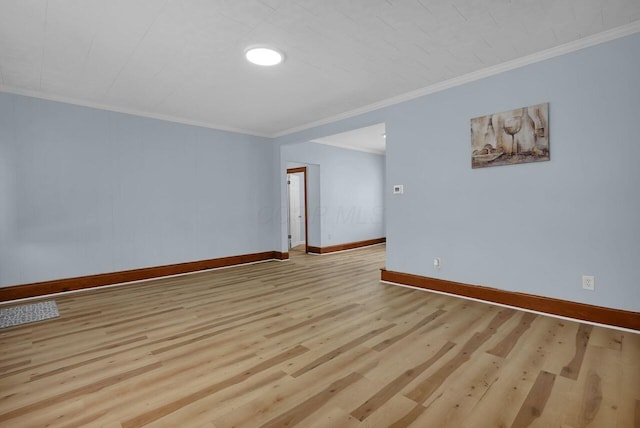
(303, 170)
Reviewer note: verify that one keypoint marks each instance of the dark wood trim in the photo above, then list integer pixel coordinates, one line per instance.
(295, 170)
(346, 246)
(90, 281)
(303, 170)
(278, 255)
(566, 308)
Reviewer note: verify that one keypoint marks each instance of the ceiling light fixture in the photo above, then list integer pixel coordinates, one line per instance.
(261, 55)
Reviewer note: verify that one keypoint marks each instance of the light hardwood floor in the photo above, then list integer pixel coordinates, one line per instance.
(314, 341)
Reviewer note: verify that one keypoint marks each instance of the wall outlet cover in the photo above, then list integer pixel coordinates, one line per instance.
(588, 282)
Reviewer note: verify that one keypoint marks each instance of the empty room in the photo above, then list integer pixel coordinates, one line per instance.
(337, 213)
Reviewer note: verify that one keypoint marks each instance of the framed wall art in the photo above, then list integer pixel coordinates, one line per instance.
(511, 137)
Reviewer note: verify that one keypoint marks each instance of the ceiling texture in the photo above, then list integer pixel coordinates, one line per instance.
(183, 60)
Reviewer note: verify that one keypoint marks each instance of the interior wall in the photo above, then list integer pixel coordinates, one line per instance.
(98, 191)
(351, 206)
(533, 228)
(7, 187)
(91, 191)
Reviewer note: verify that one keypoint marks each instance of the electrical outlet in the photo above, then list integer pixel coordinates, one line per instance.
(437, 263)
(588, 282)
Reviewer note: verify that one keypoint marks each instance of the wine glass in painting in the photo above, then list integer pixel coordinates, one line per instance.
(512, 126)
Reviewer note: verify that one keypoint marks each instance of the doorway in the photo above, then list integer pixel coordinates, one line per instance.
(298, 230)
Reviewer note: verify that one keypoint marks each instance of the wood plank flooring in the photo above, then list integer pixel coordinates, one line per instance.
(315, 341)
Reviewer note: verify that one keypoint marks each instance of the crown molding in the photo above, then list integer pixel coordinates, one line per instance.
(566, 48)
(585, 42)
(133, 112)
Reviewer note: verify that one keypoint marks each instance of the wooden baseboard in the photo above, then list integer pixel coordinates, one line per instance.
(581, 311)
(90, 281)
(347, 246)
(278, 255)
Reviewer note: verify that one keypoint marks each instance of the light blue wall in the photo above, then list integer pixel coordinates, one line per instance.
(351, 206)
(7, 186)
(98, 191)
(95, 191)
(533, 228)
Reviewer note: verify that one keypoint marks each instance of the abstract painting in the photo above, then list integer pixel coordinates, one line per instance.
(511, 137)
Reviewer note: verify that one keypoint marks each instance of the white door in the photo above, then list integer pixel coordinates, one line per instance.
(296, 209)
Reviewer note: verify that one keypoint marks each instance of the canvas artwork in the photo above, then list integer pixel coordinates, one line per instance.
(511, 137)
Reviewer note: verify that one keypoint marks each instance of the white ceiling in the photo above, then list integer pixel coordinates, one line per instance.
(183, 59)
(370, 139)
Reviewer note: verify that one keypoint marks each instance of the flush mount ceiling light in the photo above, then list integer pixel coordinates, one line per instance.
(261, 55)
